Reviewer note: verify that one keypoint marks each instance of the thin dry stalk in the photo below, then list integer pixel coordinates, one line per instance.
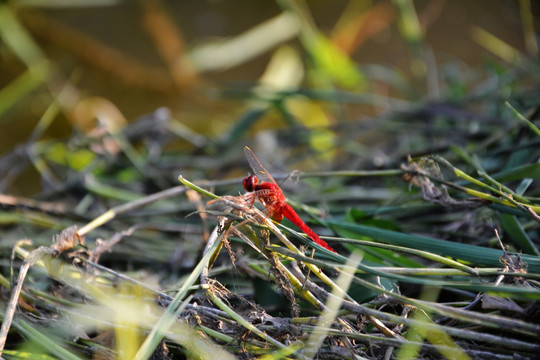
(12, 304)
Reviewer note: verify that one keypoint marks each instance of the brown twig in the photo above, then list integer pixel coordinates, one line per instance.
(32, 258)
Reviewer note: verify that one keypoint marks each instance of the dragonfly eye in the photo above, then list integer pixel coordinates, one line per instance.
(250, 182)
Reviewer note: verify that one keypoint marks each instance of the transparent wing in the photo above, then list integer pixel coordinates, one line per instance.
(257, 167)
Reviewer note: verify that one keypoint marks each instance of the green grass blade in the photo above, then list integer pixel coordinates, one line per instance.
(22, 86)
(466, 253)
(517, 234)
(528, 171)
(522, 118)
(52, 345)
(168, 316)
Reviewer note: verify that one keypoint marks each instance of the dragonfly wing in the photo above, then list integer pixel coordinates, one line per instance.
(257, 167)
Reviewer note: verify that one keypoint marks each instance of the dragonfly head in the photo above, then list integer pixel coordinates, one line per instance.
(250, 182)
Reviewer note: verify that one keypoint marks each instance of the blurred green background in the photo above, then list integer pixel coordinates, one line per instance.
(222, 67)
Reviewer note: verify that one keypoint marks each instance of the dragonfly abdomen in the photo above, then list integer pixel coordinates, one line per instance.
(290, 214)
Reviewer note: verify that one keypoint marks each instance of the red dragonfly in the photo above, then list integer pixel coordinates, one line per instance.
(271, 196)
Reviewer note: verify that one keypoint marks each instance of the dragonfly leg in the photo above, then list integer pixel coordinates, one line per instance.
(250, 199)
